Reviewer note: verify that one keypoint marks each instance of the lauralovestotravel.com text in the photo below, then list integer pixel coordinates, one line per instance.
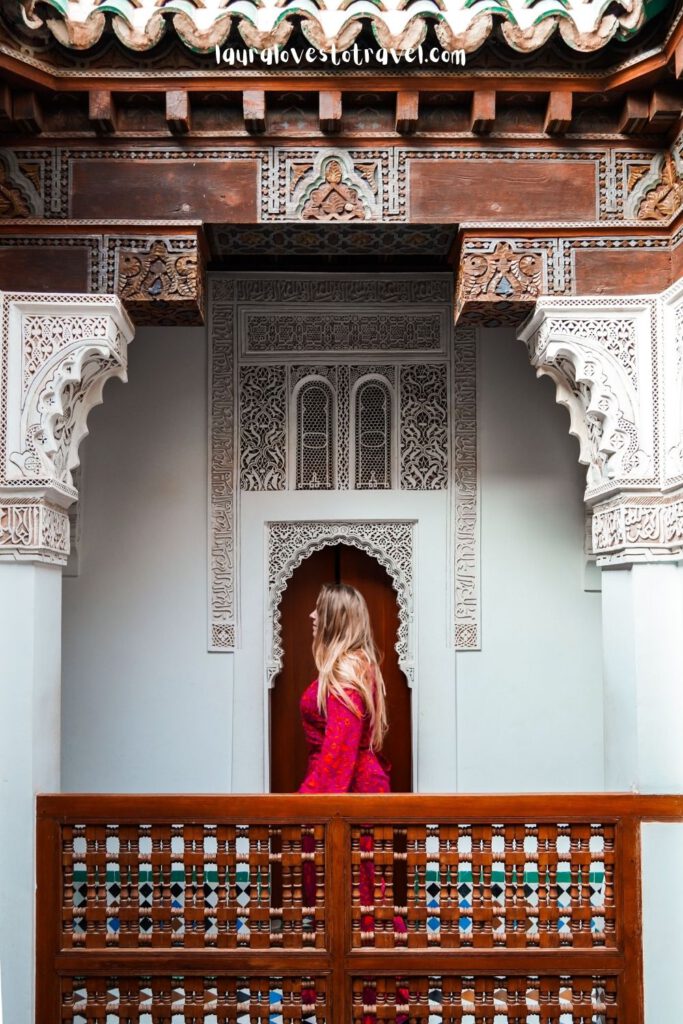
(354, 56)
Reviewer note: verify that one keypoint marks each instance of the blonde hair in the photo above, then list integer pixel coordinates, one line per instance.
(346, 656)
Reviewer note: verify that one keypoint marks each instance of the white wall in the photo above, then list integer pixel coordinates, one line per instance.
(530, 703)
(145, 707)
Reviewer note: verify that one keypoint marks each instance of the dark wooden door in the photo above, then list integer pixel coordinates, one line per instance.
(335, 564)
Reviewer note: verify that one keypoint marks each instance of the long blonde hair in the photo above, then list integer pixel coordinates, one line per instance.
(346, 656)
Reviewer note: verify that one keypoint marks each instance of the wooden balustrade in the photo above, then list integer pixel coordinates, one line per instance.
(340, 909)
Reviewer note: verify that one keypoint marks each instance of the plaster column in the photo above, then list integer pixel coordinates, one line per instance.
(56, 353)
(617, 364)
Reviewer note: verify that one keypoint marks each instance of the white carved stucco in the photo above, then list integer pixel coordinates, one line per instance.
(57, 352)
(390, 542)
(617, 364)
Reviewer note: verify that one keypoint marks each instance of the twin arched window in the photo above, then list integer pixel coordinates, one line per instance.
(316, 436)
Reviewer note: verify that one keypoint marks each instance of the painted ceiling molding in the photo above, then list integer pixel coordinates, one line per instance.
(585, 25)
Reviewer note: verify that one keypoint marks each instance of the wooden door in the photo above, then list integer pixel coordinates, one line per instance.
(335, 564)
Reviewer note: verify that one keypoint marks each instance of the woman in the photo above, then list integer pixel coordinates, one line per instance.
(343, 710)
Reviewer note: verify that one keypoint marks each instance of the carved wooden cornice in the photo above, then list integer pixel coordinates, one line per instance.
(585, 25)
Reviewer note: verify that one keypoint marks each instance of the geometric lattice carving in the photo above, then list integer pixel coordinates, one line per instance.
(479, 886)
(423, 438)
(505, 999)
(223, 910)
(208, 886)
(391, 543)
(188, 999)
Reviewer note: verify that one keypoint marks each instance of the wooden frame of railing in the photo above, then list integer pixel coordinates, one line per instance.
(90, 848)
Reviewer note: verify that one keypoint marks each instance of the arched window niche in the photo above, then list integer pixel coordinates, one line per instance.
(372, 404)
(314, 402)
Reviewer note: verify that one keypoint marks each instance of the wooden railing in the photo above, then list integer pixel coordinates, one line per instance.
(332, 910)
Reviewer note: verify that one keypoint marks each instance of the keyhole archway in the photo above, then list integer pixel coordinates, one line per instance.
(339, 563)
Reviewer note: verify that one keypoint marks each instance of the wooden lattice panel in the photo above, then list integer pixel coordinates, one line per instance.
(530, 999)
(481, 885)
(193, 886)
(192, 1000)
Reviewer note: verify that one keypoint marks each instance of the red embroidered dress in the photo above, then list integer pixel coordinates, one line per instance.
(339, 756)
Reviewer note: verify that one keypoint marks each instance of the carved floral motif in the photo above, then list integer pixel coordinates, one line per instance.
(162, 281)
(333, 200)
(19, 196)
(663, 197)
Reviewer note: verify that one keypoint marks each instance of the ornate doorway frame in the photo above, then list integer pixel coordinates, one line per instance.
(392, 542)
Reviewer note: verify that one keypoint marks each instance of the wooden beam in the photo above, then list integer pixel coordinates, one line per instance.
(558, 114)
(634, 115)
(178, 114)
(678, 60)
(28, 116)
(101, 110)
(6, 118)
(254, 109)
(483, 111)
(407, 111)
(665, 109)
(330, 107)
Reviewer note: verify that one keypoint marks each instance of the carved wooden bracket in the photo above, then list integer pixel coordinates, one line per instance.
(57, 353)
(498, 281)
(161, 280)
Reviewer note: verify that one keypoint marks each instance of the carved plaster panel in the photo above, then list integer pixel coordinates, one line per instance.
(57, 352)
(601, 355)
(638, 528)
(672, 377)
(33, 531)
(423, 434)
(391, 542)
(263, 428)
(465, 493)
(258, 378)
